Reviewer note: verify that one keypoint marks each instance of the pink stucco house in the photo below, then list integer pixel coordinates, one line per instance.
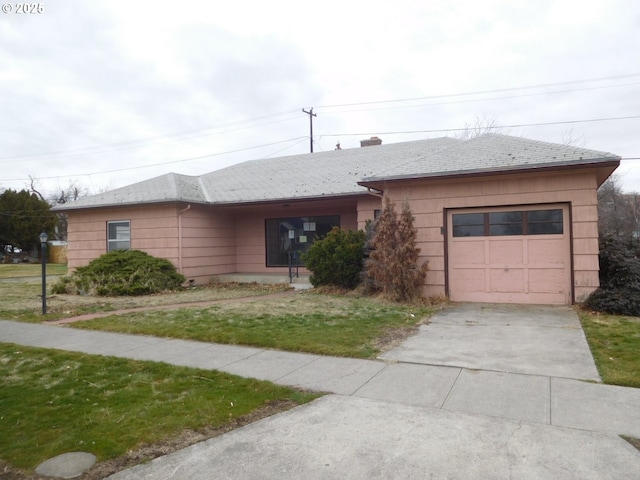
(499, 218)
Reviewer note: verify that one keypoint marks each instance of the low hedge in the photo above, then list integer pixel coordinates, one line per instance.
(122, 273)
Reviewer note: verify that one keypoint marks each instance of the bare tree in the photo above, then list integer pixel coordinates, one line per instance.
(618, 212)
(480, 126)
(569, 137)
(32, 188)
(62, 195)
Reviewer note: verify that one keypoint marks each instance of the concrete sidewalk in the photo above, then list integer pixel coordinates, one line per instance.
(530, 398)
(385, 420)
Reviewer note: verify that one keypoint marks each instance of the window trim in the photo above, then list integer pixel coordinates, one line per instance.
(111, 241)
(524, 223)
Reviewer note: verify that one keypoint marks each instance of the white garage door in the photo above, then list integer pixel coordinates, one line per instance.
(510, 255)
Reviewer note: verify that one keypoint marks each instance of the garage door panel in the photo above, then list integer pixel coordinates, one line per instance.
(526, 268)
(546, 280)
(547, 251)
(507, 280)
(506, 252)
(471, 253)
(474, 281)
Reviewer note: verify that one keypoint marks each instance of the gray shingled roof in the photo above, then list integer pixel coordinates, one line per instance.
(169, 187)
(491, 153)
(343, 172)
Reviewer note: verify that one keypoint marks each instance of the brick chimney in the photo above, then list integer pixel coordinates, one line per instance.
(370, 142)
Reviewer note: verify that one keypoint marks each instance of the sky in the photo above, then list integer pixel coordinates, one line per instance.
(103, 94)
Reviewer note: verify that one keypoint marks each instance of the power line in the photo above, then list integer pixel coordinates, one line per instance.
(485, 99)
(160, 163)
(519, 125)
(483, 92)
(286, 148)
(151, 141)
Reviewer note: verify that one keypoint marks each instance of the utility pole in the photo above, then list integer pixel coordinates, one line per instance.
(311, 115)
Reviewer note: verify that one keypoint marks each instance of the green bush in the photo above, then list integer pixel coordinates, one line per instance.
(337, 259)
(619, 291)
(122, 273)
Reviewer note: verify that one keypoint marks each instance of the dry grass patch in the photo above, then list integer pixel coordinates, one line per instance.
(339, 325)
(22, 301)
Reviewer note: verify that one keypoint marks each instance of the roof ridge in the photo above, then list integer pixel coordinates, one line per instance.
(173, 184)
(203, 189)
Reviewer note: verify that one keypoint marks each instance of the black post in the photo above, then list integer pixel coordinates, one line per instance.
(43, 254)
(311, 115)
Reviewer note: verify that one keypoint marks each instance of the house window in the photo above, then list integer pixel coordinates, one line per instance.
(118, 235)
(494, 224)
(294, 236)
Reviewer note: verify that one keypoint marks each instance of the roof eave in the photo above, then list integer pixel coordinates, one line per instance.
(596, 163)
(289, 199)
(66, 208)
(70, 207)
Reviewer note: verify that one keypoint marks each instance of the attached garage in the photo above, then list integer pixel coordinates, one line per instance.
(519, 254)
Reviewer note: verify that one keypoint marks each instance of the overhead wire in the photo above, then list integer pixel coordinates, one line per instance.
(482, 92)
(515, 125)
(200, 157)
(484, 99)
(144, 143)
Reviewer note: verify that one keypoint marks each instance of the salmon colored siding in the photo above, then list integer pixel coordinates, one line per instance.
(429, 199)
(153, 229)
(201, 241)
(366, 209)
(208, 243)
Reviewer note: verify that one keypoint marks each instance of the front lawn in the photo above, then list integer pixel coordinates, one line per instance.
(615, 345)
(311, 322)
(53, 402)
(22, 301)
(21, 270)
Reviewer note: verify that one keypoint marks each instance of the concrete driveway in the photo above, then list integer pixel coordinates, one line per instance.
(535, 340)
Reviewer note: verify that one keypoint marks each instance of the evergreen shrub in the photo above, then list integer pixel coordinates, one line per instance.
(336, 259)
(122, 273)
(619, 291)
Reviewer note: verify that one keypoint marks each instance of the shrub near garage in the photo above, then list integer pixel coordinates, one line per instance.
(619, 291)
(121, 273)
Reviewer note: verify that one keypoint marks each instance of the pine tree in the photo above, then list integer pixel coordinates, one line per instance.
(413, 275)
(392, 263)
